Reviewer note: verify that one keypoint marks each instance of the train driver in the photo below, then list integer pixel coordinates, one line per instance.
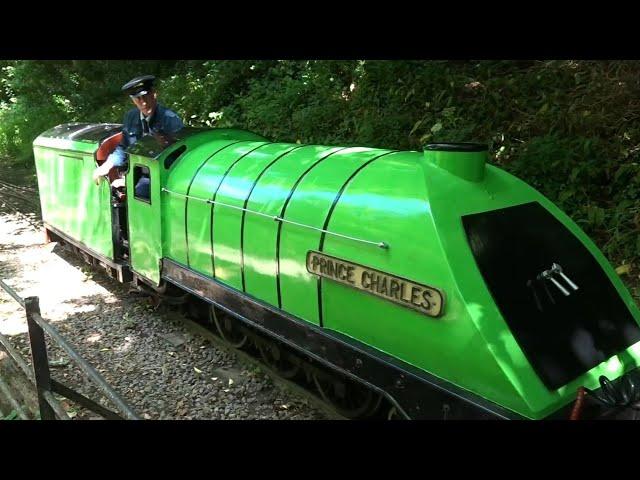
(148, 118)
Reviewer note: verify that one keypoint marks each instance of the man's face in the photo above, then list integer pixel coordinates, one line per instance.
(146, 103)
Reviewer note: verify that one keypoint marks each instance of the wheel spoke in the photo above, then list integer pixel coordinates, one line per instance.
(228, 329)
(350, 399)
(279, 360)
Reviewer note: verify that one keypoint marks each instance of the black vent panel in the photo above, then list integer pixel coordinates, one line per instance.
(563, 336)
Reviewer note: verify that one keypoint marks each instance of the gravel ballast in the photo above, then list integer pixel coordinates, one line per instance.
(160, 367)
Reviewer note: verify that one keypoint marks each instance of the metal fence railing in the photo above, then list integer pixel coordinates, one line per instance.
(50, 408)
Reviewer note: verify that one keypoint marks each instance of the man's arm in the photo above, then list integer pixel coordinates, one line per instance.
(116, 159)
(173, 124)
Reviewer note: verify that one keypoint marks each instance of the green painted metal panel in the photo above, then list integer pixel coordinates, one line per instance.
(45, 174)
(151, 238)
(388, 201)
(260, 250)
(310, 205)
(65, 144)
(181, 175)
(227, 222)
(145, 223)
(70, 201)
(199, 214)
(94, 211)
(173, 208)
(193, 139)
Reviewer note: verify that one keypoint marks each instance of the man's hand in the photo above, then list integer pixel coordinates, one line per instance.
(97, 175)
(102, 171)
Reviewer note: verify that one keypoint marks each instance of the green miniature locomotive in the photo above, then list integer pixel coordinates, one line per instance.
(432, 278)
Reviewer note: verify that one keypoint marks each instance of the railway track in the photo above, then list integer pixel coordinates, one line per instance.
(27, 194)
(340, 398)
(21, 200)
(20, 188)
(200, 328)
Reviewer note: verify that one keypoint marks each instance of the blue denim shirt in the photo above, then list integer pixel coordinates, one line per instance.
(163, 120)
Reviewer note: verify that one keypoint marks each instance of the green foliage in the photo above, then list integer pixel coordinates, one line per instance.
(37, 95)
(569, 128)
(11, 416)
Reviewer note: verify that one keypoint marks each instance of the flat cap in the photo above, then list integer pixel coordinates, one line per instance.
(139, 85)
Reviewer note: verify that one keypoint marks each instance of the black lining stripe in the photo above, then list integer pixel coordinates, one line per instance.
(215, 193)
(186, 200)
(246, 202)
(282, 214)
(326, 224)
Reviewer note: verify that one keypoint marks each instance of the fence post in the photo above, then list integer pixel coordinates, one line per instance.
(39, 358)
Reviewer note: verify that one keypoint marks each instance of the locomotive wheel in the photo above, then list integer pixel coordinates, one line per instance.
(279, 360)
(191, 310)
(199, 311)
(227, 328)
(350, 399)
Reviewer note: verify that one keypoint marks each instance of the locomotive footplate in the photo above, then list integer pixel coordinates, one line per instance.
(415, 393)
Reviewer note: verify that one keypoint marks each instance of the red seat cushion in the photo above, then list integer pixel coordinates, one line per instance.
(105, 149)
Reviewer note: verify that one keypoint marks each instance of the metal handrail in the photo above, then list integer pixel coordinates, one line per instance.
(278, 219)
(45, 385)
(10, 291)
(91, 372)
